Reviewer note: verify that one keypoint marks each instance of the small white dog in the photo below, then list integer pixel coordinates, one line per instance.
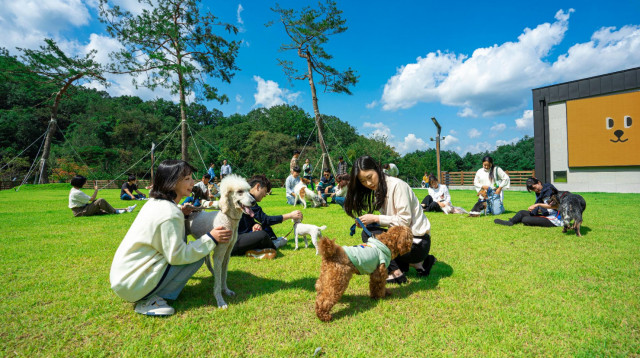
(300, 229)
(234, 200)
(302, 192)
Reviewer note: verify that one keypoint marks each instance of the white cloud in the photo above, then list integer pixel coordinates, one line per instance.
(240, 9)
(410, 144)
(449, 140)
(379, 130)
(479, 147)
(372, 104)
(239, 98)
(497, 80)
(453, 131)
(270, 94)
(500, 142)
(525, 123)
(474, 133)
(498, 127)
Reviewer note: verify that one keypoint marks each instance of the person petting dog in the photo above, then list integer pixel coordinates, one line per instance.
(494, 180)
(339, 195)
(126, 192)
(154, 261)
(203, 192)
(438, 197)
(82, 204)
(371, 190)
(542, 213)
(255, 236)
(327, 184)
(292, 180)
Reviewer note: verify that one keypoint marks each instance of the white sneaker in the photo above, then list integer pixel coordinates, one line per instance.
(130, 208)
(279, 242)
(154, 306)
(121, 211)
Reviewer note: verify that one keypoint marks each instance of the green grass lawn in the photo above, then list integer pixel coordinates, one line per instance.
(495, 290)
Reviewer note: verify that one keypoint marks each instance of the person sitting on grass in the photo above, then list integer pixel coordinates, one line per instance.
(255, 236)
(82, 204)
(541, 213)
(292, 180)
(327, 184)
(438, 196)
(154, 261)
(201, 194)
(126, 192)
(341, 189)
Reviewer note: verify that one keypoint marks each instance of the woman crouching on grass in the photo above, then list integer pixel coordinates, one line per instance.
(154, 261)
(370, 190)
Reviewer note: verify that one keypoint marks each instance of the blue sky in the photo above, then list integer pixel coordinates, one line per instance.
(470, 64)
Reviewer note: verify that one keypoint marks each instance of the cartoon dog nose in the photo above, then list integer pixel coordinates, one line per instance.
(618, 133)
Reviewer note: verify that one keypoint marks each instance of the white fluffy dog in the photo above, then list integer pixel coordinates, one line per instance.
(302, 192)
(234, 200)
(300, 229)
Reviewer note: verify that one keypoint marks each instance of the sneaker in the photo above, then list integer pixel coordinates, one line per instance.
(154, 306)
(279, 242)
(130, 208)
(259, 254)
(121, 211)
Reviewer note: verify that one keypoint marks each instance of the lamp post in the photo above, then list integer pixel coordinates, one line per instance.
(437, 140)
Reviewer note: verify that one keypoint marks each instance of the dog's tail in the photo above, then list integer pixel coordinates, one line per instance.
(328, 248)
(322, 228)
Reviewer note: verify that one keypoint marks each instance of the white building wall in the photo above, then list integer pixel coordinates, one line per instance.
(600, 179)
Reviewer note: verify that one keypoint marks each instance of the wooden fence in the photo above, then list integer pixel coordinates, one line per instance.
(518, 178)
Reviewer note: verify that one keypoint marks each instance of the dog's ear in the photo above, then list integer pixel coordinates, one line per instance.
(225, 199)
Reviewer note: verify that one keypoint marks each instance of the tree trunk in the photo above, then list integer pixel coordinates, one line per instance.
(183, 116)
(44, 178)
(318, 116)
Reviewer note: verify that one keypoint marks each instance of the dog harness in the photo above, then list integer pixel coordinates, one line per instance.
(367, 257)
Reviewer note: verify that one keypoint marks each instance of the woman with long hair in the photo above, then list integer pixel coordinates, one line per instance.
(494, 180)
(369, 190)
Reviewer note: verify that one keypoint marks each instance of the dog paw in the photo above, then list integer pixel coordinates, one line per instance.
(223, 307)
(228, 292)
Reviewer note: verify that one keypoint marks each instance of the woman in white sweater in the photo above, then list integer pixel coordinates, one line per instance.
(154, 261)
(494, 180)
(371, 190)
(438, 197)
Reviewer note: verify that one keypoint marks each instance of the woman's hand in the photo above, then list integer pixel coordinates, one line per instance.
(533, 207)
(221, 234)
(187, 209)
(485, 187)
(498, 191)
(256, 227)
(369, 219)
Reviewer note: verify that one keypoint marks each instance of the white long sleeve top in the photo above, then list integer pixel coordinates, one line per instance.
(77, 198)
(290, 184)
(501, 179)
(440, 194)
(402, 207)
(155, 240)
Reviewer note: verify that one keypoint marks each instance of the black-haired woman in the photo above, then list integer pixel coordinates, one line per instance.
(494, 180)
(438, 197)
(154, 262)
(542, 212)
(370, 190)
(82, 204)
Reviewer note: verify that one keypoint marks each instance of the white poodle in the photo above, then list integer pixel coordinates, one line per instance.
(234, 200)
(300, 229)
(302, 192)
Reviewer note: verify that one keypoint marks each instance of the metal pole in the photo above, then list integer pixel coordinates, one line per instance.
(437, 145)
(153, 147)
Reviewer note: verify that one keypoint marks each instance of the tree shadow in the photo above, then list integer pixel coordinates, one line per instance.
(357, 304)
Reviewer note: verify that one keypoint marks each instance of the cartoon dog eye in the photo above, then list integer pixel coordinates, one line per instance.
(609, 122)
(627, 121)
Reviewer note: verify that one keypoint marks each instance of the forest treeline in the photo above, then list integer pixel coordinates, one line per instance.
(103, 137)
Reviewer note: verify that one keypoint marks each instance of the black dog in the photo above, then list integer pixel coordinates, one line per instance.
(571, 206)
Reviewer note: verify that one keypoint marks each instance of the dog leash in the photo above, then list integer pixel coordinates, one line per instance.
(364, 228)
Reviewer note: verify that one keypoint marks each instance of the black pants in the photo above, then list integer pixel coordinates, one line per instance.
(429, 205)
(525, 217)
(252, 241)
(418, 253)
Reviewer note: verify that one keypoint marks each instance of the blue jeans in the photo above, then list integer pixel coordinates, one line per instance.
(291, 200)
(494, 202)
(176, 279)
(126, 196)
(339, 200)
(190, 199)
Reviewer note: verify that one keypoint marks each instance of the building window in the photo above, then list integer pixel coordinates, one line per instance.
(560, 176)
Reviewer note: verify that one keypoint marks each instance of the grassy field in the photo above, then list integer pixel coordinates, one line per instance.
(495, 291)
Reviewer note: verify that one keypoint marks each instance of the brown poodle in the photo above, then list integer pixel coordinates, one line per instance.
(337, 269)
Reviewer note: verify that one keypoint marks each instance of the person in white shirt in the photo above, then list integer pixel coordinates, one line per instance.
(225, 169)
(154, 261)
(494, 180)
(370, 190)
(338, 196)
(292, 180)
(438, 196)
(82, 204)
(391, 169)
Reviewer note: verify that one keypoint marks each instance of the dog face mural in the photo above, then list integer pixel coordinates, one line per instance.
(601, 132)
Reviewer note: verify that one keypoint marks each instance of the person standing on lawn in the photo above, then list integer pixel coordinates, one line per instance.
(154, 261)
(370, 189)
(494, 180)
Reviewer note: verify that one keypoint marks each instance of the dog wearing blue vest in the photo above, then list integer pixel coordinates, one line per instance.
(339, 263)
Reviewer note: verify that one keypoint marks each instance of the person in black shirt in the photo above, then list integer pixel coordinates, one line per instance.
(126, 192)
(255, 233)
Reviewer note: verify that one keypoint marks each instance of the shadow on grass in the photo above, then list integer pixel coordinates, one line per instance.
(357, 303)
(244, 284)
(584, 230)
